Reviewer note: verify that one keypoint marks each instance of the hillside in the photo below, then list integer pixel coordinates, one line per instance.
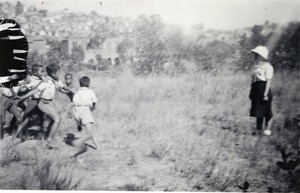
(161, 133)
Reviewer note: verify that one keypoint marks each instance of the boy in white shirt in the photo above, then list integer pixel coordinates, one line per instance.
(85, 102)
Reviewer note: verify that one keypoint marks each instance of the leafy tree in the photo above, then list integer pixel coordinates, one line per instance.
(175, 47)
(285, 54)
(247, 44)
(94, 14)
(19, 8)
(77, 56)
(34, 57)
(43, 12)
(219, 51)
(57, 52)
(150, 48)
(284, 46)
(95, 43)
(124, 48)
(200, 56)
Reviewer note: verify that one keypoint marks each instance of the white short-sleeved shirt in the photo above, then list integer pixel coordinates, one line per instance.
(48, 88)
(263, 71)
(84, 97)
(34, 82)
(10, 92)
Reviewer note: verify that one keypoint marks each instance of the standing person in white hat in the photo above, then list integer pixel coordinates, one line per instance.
(260, 94)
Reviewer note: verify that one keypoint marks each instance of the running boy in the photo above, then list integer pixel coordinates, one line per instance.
(85, 102)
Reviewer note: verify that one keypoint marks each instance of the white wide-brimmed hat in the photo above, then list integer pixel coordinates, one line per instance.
(262, 51)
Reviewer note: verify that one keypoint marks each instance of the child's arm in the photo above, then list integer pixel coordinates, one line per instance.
(65, 90)
(94, 100)
(29, 94)
(94, 107)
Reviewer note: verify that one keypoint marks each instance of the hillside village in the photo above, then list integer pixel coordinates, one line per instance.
(74, 29)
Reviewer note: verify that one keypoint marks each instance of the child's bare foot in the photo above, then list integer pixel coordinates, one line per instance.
(75, 159)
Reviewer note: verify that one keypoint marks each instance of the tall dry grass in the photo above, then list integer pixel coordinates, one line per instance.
(200, 123)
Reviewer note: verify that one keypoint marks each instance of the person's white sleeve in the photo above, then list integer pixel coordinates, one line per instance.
(269, 71)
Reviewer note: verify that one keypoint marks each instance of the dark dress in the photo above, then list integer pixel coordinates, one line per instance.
(259, 107)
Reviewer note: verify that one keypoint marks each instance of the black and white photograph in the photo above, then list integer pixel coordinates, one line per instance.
(150, 95)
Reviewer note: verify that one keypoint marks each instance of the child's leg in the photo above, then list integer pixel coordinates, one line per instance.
(13, 124)
(80, 142)
(81, 150)
(28, 112)
(6, 103)
(16, 120)
(17, 117)
(89, 128)
(20, 127)
(85, 138)
(49, 110)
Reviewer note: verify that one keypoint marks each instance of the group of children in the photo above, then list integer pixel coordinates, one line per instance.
(38, 93)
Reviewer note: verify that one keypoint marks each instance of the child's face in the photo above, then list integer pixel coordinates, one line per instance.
(68, 79)
(54, 76)
(40, 73)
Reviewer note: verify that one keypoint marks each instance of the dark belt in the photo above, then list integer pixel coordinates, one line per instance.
(46, 99)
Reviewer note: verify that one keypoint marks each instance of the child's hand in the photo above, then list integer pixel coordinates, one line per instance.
(16, 97)
(266, 98)
(93, 109)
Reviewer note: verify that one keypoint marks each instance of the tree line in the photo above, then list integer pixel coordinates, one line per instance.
(159, 48)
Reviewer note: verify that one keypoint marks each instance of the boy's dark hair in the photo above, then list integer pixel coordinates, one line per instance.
(84, 81)
(35, 68)
(68, 74)
(52, 69)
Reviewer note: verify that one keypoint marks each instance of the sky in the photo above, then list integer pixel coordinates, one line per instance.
(218, 14)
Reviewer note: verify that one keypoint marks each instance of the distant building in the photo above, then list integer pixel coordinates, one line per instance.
(109, 48)
(37, 44)
(75, 41)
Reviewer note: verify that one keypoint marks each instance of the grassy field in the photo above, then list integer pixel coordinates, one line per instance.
(187, 133)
